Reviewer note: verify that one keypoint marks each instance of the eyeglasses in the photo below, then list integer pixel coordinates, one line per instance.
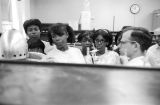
(128, 41)
(99, 41)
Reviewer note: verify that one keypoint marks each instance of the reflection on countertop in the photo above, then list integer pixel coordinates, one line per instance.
(73, 84)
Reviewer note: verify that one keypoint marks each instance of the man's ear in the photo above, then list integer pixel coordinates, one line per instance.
(67, 35)
(136, 45)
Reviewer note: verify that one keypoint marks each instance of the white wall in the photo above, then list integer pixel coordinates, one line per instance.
(13, 13)
(103, 11)
(23, 9)
(0, 18)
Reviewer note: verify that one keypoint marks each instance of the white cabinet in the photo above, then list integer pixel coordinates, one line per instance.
(156, 19)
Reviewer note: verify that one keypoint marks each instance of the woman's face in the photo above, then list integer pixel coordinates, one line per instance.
(86, 42)
(60, 40)
(100, 43)
(33, 31)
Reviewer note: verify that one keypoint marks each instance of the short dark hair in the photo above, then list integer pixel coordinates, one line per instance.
(35, 42)
(60, 29)
(119, 34)
(106, 35)
(30, 22)
(141, 36)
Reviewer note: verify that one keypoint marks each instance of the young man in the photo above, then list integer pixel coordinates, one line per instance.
(153, 53)
(134, 43)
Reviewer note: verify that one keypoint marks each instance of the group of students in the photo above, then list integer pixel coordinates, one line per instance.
(132, 46)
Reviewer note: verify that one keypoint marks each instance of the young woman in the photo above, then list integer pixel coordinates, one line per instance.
(86, 40)
(61, 34)
(103, 40)
(32, 29)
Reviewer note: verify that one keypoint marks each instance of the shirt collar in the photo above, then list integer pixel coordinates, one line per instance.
(137, 58)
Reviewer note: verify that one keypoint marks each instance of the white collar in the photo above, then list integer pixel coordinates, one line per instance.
(137, 58)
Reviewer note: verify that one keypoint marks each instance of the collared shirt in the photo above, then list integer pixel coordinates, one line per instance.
(153, 55)
(138, 62)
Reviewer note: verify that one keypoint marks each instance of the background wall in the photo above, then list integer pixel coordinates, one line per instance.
(13, 13)
(103, 11)
(0, 17)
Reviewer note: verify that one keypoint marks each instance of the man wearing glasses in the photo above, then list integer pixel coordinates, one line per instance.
(134, 43)
(153, 53)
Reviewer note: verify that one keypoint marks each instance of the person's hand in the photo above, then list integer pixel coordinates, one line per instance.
(123, 59)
